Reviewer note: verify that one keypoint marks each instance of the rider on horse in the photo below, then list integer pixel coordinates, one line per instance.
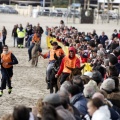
(70, 61)
(55, 51)
(36, 38)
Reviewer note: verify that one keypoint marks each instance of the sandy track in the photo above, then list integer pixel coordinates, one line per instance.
(29, 83)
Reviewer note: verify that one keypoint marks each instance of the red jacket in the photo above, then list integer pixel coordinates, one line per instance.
(77, 62)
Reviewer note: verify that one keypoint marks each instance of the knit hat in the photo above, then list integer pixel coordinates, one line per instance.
(89, 74)
(90, 88)
(108, 85)
(52, 99)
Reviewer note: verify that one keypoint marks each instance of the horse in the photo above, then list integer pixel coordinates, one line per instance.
(74, 72)
(35, 54)
(53, 80)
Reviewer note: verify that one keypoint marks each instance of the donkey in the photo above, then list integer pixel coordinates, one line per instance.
(35, 54)
(53, 80)
(74, 72)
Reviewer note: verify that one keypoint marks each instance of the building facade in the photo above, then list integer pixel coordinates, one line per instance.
(27, 2)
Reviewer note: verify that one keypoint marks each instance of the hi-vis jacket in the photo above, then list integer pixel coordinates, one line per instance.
(21, 32)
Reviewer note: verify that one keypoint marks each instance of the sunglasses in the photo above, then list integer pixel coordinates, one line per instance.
(71, 51)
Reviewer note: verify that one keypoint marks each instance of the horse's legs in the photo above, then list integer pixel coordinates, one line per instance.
(56, 88)
(36, 61)
(58, 83)
(32, 62)
(51, 88)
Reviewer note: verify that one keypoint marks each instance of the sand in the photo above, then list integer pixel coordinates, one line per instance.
(29, 82)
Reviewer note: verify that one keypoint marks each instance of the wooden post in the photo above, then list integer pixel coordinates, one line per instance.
(85, 1)
(88, 4)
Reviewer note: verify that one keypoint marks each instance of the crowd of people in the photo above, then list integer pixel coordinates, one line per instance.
(94, 95)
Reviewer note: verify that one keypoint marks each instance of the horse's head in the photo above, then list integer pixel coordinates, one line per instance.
(58, 61)
(76, 71)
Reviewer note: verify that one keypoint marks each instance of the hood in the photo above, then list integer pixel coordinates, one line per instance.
(102, 113)
(72, 49)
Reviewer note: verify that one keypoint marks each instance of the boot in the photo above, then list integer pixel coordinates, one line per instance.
(9, 91)
(48, 85)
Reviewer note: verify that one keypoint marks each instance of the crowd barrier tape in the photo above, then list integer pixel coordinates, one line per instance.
(65, 49)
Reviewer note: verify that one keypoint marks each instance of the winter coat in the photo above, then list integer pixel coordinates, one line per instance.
(80, 102)
(114, 98)
(65, 114)
(102, 113)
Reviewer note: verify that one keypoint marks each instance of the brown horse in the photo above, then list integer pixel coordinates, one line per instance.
(35, 54)
(74, 72)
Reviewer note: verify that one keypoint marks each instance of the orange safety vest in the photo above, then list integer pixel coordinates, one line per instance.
(52, 52)
(35, 38)
(6, 58)
(69, 63)
(58, 52)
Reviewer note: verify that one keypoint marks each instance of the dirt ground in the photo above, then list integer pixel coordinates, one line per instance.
(29, 82)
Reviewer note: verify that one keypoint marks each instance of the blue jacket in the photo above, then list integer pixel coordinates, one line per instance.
(114, 115)
(103, 39)
(118, 67)
(80, 102)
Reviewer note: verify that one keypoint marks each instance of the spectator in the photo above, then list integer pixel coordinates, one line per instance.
(77, 99)
(97, 110)
(54, 100)
(4, 34)
(103, 38)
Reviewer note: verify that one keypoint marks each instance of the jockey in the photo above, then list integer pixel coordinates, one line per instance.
(56, 51)
(35, 38)
(68, 61)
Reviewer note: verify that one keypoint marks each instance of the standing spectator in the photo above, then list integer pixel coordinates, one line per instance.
(40, 31)
(119, 35)
(21, 113)
(62, 25)
(98, 110)
(1, 38)
(95, 34)
(21, 34)
(115, 34)
(14, 34)
(77, 99)
(103, 38)
(4, 34)
(54, 100)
